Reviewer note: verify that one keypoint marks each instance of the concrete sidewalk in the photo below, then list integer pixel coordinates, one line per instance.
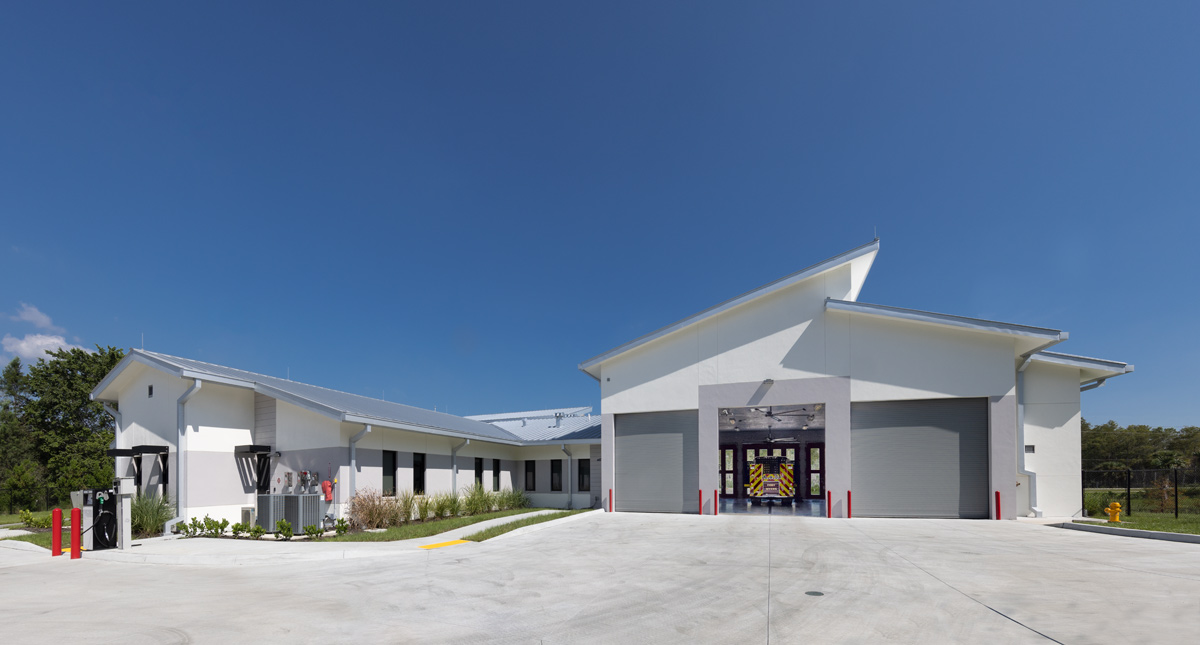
(173, 550)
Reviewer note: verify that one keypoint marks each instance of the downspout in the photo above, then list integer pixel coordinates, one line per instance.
(570, 458)
(354, 457)
(181, 455)
(454, 464)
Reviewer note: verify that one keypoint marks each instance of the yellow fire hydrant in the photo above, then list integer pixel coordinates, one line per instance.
(1114, 512)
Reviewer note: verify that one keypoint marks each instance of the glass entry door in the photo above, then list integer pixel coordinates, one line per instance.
(814, 471)
(727, 472)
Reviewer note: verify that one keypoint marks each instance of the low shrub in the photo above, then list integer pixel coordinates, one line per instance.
(283, 530)
(34, 522)
(256, 532)
(238, 530)
(445, 504)
(148, 514)
(510, 499)
(342, 527)
(213, 528)
(314, 532)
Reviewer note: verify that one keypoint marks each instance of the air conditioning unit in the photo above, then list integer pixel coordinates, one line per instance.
(248, 515)
(270, 510)
(302, 510)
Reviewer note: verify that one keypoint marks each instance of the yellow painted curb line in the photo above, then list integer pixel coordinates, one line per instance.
(442, 544)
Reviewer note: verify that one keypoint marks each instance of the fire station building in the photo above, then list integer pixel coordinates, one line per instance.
(797, 398)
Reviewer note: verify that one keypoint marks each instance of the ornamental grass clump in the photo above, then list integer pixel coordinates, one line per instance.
(148, 514)
(405, 504)
(369, 509)
(476, 500)
(424, 504)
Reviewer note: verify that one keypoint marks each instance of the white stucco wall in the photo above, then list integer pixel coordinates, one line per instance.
(148, 420)
(1052, 426)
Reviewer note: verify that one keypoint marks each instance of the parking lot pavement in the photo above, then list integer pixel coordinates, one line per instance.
(608, 578)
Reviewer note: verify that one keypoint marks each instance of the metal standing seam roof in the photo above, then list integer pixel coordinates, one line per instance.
(544, 425)
(334, 403)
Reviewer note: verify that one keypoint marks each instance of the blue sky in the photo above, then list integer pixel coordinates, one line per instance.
(453, 204)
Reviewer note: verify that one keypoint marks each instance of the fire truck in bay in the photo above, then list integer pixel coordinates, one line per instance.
(771, 479)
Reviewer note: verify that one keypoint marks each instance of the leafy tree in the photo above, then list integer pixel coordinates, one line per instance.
(16, 441)
(71, 432)
(24, 485)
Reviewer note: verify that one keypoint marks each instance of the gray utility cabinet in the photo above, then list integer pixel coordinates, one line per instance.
(270, 510)
(299, 510)
(302, 510)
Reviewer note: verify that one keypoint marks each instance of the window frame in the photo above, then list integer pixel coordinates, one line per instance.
(530, 475)
(585, 476)
(556, 478)
(496, 475)
(418, 473)
(479, 472)
(384, 467)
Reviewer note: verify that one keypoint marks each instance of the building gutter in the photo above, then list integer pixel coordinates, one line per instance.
(181, 454)
(454, 464)
(354, 458)
(1026, 359)
(570, 458)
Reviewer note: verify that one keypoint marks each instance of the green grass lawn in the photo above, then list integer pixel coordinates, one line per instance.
(424, 529)
(1159, 522)
(492, 532)
(43, 539)
(15, 518)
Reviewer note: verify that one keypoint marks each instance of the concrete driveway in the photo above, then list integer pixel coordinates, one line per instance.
(630, 578)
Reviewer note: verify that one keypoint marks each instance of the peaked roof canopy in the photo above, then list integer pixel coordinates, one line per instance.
(341, 406)
(870, 249)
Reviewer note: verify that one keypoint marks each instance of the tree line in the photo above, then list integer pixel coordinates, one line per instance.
(1138, 447)
(53, 437)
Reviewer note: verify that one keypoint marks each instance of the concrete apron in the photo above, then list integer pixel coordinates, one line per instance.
(223, 552)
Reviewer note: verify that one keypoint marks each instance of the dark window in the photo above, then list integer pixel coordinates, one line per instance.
(530, 476)
(585, 475)
(389, 473)
(479, 472)
(556, 474)
(418, 473)
(495, 474)
(149, 391)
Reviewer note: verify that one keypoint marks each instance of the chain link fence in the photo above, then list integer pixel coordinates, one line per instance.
(1165, 490)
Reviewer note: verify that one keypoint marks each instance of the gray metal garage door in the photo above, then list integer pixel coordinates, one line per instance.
(920, 458)
(657, 468)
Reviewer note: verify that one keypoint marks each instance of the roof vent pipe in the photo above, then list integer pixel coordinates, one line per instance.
(354, 458)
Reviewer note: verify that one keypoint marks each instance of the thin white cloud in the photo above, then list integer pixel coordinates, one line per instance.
(34, 346)
(30, 314)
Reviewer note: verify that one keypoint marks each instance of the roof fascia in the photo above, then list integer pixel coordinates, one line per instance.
(413, 427)
(946, 320)
(782, 283)
(134, 356)
(213, 378)
(1116, 368)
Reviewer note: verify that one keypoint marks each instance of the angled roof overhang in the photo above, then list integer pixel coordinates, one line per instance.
(1029, 339)
(1091, 370)
(869, 249)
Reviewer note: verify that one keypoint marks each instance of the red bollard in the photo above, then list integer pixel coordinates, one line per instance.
(76, 541)
(828, 504)
(998, 505)
(700, 496)
(610, 504)
(56, 532)
(716, 504)
(848, 504)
